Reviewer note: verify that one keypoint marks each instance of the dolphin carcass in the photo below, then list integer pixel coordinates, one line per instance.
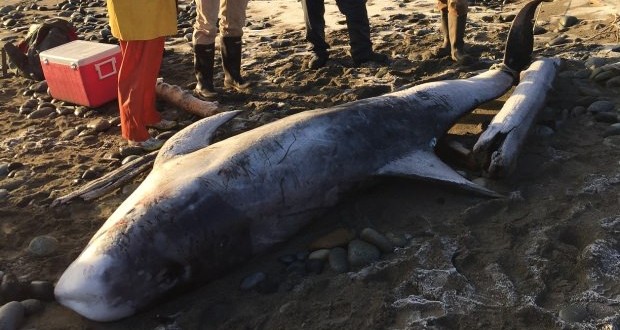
(205, 208)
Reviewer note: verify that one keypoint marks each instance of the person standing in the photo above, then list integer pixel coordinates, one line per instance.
(453, 21)
(231, 21)
(358, 27)
(141, 27)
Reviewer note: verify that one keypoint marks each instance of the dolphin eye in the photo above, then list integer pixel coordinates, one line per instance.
(170, 275)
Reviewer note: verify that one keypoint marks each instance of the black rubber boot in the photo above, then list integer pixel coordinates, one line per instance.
(231, 60)
(204, 58)
(444, 49)
(456, 26)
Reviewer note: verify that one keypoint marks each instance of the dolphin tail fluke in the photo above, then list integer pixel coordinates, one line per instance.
(194, 137)
(520, 41)
(427, 166)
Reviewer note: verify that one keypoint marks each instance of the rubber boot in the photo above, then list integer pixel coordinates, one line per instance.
(444, 49)
(456, 25)
(204, 57)
(231, 60)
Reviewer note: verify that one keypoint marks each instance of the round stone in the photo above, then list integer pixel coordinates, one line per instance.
(43, 245)
(11, 315)
(574, 313)
(377, 239)
(338, 260)
(362, 253)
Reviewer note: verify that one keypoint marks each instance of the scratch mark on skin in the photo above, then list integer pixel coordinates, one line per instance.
(283, 198)
(288, 149)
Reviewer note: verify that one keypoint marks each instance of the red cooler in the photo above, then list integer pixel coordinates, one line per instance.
(82, 72)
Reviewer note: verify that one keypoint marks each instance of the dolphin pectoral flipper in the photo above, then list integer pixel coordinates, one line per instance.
(427, 166)
(185, 141)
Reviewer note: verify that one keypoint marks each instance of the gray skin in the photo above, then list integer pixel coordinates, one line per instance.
(206, 208)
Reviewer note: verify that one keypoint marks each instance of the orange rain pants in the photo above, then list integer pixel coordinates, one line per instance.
(137, 76)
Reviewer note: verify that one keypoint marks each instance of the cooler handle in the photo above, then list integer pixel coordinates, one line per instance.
(98, 66)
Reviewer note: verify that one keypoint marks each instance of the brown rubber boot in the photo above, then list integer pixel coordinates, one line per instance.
(456, 25)
(444, 49)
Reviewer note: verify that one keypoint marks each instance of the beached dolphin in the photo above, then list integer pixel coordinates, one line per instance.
(205, 208)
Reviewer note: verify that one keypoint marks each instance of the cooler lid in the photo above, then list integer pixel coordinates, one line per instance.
(78, 52)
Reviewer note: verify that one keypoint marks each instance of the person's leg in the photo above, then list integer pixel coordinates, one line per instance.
(314, 11)
(232, 20)
(137, 76)
(358, 27)
(457, 19)
(205, 31)
(444, 49)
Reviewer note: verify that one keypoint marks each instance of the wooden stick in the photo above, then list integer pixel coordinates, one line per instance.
(499, 145)
(184, 100)
(110, 181)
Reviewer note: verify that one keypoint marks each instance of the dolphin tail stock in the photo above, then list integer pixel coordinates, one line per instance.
(426, 165)
(185, 142)
(520, 41)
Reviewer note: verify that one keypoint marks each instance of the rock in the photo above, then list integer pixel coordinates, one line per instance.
(362, 253)
(11, 183)
(31, 306)
(612, 141)
(398, 240)
(601, 106)
(578, 111)
(4, 194)
(99, 125)
(11, 316)
(338, 260)
(4, 169)
(322, 254)
(41, 113)
(574, 313)
(129, 158)
(90, 174)
(606, 117)
(558, 41)
(612, 130)
(377, 239)
(130, 150)
(287, 259)
(253, 280)
(44, 245)
(42, 290)
(338, 237)
(568, 21)
(11, 289)
(69, 134)
(613, 82)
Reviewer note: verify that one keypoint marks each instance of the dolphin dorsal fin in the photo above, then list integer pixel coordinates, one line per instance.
(193, 137)
(427, 166)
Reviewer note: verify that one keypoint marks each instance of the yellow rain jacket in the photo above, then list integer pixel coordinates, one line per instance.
(142, 19)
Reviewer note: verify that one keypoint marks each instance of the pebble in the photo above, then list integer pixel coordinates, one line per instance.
(11, 289)
(3, 194)
(42, 290)
(32, 306)
(612, 141)
(253, 280)
(90, 174)
(398, 240)
(613, 129)
(99, 125)
(568, 21)
(69, 134)
(4, 168)
(322, 254)
(601, 106)
(338, 260)
(44, 245)
(362, 253)
(338, 237)
(574, 313)
(11, 316)
(130, 150)
(578, 111)
(558, 40)
(287, 259)
(41, 113)
(129, 158)
(11, 183)
(377, 239)
(63, 111)
(606, 117)
(613, 82)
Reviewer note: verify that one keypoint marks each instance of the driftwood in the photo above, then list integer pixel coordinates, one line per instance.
(184, 100)
(110, 181)
(499, 145)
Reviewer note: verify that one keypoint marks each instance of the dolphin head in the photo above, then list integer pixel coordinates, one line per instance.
(156, 243)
